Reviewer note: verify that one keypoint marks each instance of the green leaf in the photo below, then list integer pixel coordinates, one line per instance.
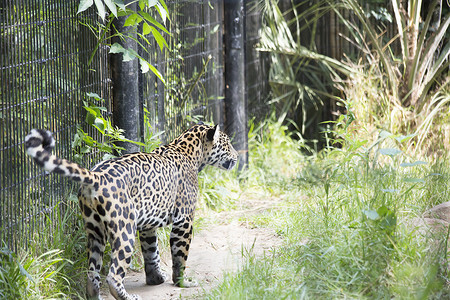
(151, 3)
(125, 12)
(215, 29)
(389, 221)
(100, 124)
(152, 20)
(132, 20)
(100, 9)
(142, 4)
(162, 12)
(24, 272)
(128, 55)
(156, 72)
(112, 7)
(404, 138)
(84, 4)
(144, 65)
(93, 95)
(435, 174)
(116, 48)
(390, 190)
(93, 111)
(88, 140)
(371, 214)
(165, 7)
(382, 211)
(416, 163)
(120, 4)
(384, 134)
(146, 29)
(159, 38)
(390, 151)
(414, 180)
(90, 118)
(85, 150)
(108, 156)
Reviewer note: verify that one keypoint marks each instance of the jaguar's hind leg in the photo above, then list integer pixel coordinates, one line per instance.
(149, 245)
(122, 246)
(96, 246)
(180, 240)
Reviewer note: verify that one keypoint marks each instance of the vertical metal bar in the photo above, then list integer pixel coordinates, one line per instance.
(125, 86)
(235, 101)
(162, 126)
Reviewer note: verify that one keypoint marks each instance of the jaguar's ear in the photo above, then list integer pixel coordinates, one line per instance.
(213, 133)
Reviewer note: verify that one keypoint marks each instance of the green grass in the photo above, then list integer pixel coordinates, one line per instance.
(52, 266)
(346, 220)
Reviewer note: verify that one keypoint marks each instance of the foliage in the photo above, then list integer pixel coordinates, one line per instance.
(43, 273)
(402, 91)
(13, 276)
(299, 76)
(109, 135)
(133, 18)
(396, 83)
(347, 220)
(425, 49)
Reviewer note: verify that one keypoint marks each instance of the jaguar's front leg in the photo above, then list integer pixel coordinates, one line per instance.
(180, 240)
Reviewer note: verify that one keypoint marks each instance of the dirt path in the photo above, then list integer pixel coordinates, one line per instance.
(216, 249)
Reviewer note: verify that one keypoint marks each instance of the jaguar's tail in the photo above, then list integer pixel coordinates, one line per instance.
(39, 144)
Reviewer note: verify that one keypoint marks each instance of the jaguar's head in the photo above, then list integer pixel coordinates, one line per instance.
(217, 149)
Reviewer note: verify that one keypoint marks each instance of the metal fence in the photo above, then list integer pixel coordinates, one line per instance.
(44, 76)
(193, 69)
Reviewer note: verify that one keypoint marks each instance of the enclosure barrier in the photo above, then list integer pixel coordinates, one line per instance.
(45, 75)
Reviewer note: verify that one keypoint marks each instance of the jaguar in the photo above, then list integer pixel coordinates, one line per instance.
(139, 193)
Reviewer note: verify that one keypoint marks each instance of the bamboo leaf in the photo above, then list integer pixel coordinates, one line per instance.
(112, 7)
(151, 3)
(142, 4)
(159, 38)
(84, 4)
(100, 9)
(165, 8)
(120, 4)
(132, 20)
(152, 20)
(156, 72)
(146, 29)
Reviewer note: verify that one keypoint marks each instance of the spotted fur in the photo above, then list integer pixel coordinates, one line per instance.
(139, 192)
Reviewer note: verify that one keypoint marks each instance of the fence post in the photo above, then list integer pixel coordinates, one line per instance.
(235, 100)
(125, 76)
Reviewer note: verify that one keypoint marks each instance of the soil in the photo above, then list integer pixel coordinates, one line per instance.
(217, 249)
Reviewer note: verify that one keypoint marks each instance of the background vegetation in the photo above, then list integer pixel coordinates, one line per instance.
(351, 213)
